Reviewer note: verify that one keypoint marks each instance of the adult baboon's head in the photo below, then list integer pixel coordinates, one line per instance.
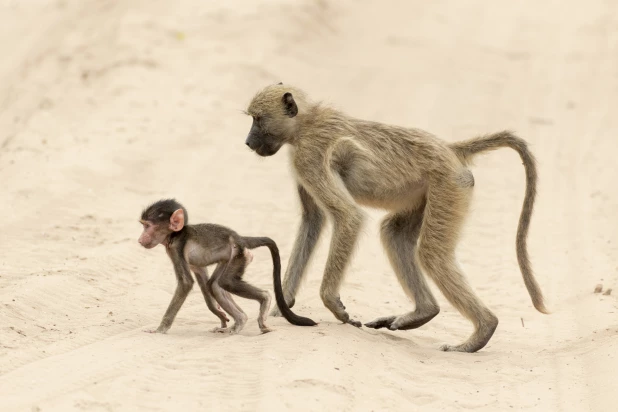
(274, 110)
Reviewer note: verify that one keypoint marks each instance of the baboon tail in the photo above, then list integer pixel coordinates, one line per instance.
(465, 151)
(294, 319)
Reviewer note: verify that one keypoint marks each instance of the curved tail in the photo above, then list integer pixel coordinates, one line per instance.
(465, 150)
(294, 319)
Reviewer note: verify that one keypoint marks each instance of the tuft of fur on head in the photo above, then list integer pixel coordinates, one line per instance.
(269, 99)
(277, 111)
(162, 210)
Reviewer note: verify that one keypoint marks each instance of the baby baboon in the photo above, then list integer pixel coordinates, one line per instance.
(194, 247)
(341, 162)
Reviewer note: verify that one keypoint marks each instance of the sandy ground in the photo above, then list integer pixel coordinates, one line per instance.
(106, 106)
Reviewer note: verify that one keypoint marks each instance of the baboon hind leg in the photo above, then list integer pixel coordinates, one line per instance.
(224, 299)
(447, 205)
(399, 235)
(231, 281)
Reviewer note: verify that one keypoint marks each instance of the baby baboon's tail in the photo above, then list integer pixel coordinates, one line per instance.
(466, 150)
(294, 319)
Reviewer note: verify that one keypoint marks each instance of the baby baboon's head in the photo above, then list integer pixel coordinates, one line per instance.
(160, 220)
(274, 111)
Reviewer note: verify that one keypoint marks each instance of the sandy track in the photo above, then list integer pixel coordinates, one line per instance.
(106, 106)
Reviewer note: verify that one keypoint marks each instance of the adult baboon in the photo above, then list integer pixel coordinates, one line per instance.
(341, 162)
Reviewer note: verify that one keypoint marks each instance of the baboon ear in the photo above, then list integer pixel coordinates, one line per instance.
(177, 220)
(290, 105)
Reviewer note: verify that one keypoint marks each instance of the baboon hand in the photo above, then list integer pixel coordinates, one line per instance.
(338, 309)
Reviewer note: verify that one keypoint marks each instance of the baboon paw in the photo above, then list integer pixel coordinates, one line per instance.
(455, 348)
(354, 322)
(234, 330)
(399, 323)
(266, 329)
(220, 330)
(158, 330)
(448, 348)
(412, 320)
(379, 323)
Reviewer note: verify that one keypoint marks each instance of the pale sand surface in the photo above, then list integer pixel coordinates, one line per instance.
(106, 106)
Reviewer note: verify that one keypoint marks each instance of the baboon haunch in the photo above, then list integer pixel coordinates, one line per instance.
(194, 247)
(341, 163)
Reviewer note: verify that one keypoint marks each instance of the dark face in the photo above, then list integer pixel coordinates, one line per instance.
(270, 130)
(260, 141)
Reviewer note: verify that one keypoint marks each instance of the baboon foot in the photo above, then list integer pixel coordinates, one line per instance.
(414, 319)
(238, 325)
(262, 324)
(478, 340)
(277, 313)
(379, 323)
(220, 330)
(408, 321)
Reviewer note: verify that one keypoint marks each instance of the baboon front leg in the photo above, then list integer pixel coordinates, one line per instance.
(330, 192)
(304, 245)
(224, 299)
(345, 234)
(185, 283)
(399, 237)
(201, 275)
(446, 207)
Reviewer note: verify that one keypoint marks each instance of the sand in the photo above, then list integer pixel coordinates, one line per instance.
(106, 106)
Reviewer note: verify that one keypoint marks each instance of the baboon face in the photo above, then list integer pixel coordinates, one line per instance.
(273, 111)
(159, 220)
(153, 234)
